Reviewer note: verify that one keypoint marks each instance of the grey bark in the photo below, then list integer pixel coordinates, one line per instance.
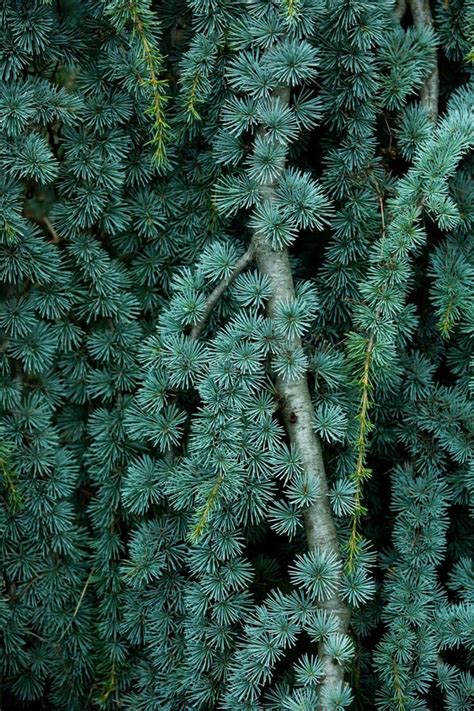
(422, 17)
(400, 8)
(298, 414)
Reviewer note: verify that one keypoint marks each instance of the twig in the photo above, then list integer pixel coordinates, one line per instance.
(206, 510)
(422, 17)
(29, 584)
(79, 603)
(216, 294)
(50, 227)
(361, 472)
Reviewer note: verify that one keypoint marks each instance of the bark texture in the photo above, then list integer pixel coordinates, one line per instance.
(422, 17)
(298, 415)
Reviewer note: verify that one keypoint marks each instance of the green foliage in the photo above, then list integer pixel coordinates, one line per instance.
(153, 506)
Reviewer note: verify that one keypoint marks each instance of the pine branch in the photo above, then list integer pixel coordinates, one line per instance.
(361, 472)
(216, 294)
(298, 414)
(422, 18)
(246, 259)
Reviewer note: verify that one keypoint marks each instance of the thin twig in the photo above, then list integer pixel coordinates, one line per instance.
(51, 229)
(79, 603)
(361, 472)
(216, 294)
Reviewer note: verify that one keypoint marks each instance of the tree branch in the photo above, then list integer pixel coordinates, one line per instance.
(400, 8)
(216, 294)
(56, 239)
(422, 17)
(298, 414)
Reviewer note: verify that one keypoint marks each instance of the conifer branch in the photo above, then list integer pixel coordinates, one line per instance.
(206, 511)
(422, 18)
(298, 414)
(141, 28)
(211, 302)
(192, 100)
(361, 472)
(217, 292)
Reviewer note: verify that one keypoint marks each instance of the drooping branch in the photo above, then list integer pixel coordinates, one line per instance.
(361, 472)
(422, 18)
(298, 414)
(218, 291)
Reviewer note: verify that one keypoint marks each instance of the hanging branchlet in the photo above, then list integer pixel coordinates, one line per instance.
(143, 26)
(138, 16)
(361, 472)
(361, 353)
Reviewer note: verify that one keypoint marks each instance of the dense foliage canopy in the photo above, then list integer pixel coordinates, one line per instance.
(236, 319)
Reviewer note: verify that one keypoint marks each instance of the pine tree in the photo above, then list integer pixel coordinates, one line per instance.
(235, 322)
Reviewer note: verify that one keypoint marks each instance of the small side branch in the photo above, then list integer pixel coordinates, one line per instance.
(78, 606)
(47, 224)
(56, 239)
(422, 17)
(216, 294)
(206, 510)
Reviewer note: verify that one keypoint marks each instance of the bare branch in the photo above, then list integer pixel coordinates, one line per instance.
(422, 17)
(216, 294)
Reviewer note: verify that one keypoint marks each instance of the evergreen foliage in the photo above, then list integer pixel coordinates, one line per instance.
(236, 316)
